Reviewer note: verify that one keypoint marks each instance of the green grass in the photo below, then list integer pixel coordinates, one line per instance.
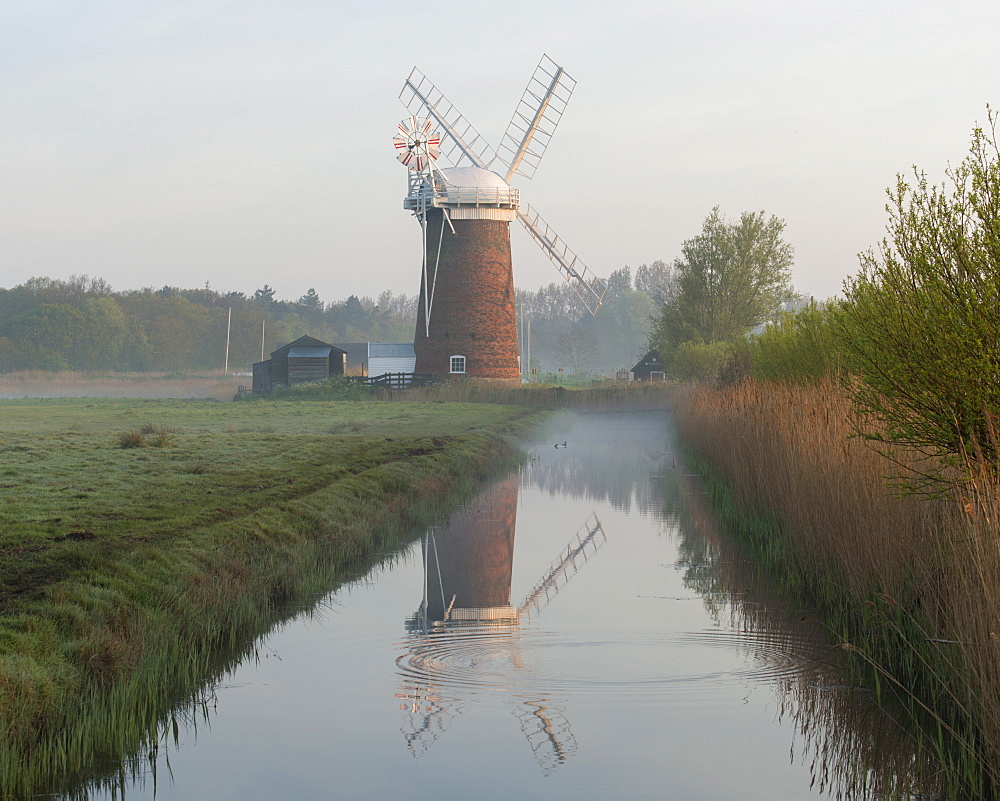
(131, 576)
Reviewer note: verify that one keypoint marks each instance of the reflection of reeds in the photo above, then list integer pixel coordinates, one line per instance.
(913, 584)
(69, 384)
(854, 750)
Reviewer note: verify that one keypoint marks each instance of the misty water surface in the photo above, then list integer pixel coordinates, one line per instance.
(581, 630)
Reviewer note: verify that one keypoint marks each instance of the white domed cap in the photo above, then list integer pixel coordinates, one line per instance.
(472, 178)
(468, 193)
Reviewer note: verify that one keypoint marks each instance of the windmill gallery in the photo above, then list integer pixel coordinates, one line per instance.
(466, 319)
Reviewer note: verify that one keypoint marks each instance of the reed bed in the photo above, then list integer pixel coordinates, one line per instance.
(910, 585)
(71, 384)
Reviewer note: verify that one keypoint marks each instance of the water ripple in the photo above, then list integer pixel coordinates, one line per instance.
(470, 661)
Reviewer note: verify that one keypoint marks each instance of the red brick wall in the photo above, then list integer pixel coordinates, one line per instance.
(474, 556)
(473, 303)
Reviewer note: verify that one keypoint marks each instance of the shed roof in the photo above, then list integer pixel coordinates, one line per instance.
(309, 353)
(302, 342)
(386, 350)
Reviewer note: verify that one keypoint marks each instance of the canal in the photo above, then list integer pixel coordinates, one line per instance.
(581, 629)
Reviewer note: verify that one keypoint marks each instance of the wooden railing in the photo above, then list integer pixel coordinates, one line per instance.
(397, 380)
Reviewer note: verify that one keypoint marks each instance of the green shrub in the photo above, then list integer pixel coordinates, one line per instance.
(697, 361)
(801, 347)
(327, 389)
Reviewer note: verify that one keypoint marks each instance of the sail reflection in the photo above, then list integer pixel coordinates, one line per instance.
(465, 636)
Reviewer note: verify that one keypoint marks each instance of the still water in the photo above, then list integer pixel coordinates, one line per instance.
(579, 630)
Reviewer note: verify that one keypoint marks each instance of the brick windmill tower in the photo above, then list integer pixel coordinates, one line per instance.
(466, 320)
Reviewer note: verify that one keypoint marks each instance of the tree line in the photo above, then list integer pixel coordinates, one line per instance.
(82, 324)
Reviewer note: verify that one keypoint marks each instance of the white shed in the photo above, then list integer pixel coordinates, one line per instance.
(377, 358)
(390, 358)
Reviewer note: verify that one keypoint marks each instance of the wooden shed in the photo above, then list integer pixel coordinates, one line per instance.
(305, 359)
(649, 368)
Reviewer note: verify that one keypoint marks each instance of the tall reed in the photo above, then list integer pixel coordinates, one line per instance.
(910, 584)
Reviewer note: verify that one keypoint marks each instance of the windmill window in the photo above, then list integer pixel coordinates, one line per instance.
(458, 364)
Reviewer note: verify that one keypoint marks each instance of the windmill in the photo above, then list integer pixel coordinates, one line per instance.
(465, 622)
(466, 320)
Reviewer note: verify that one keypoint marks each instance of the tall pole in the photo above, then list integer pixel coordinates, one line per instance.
(262, 321)
(527, 340)
(229, 325)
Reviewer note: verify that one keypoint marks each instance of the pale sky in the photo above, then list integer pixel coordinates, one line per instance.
(241, 143)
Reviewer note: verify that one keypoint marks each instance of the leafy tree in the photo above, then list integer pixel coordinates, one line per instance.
(576, 348)
(11, 357)
(921, 322)
(801, 346)
(656, 280)
(264, 295)
(621, 326)
(310, 301)
(618, 282)
(729, 279)
(699, 361)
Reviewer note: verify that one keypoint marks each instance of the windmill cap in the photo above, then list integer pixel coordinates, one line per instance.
(473, 178)
(468, 193)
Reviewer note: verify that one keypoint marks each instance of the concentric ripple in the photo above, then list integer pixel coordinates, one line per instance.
(463, 663)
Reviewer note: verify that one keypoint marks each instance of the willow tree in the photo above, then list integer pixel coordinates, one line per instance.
(921, 323)
(729, 279)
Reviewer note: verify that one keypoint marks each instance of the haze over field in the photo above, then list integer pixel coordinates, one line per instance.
(244, 143)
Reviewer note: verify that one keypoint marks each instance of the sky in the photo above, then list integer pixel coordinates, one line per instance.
(237, 143)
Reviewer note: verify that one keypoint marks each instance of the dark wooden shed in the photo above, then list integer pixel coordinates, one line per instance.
(649, 368)
(305, 359)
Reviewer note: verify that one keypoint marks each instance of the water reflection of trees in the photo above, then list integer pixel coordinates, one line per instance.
(854, 748)
(597, 459)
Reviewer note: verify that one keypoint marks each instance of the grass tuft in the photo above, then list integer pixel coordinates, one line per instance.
(131, 438)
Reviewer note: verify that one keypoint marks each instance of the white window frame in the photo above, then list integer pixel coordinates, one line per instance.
(452, 365)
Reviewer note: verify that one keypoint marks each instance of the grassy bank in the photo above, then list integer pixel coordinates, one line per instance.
(132, 575)
(910, 585)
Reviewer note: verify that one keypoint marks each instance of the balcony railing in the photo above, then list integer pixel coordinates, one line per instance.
(422, 194)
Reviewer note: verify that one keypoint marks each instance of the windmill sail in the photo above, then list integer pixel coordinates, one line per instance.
(581, 547)
(535, 119)
(463, 143)
(588, 286)
(527, 137)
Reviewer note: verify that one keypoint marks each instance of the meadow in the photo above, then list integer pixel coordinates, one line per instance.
(131, 575)
(108, 384)
(909, 584)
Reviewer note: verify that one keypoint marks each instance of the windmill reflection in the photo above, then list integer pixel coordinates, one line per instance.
(464, 638)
